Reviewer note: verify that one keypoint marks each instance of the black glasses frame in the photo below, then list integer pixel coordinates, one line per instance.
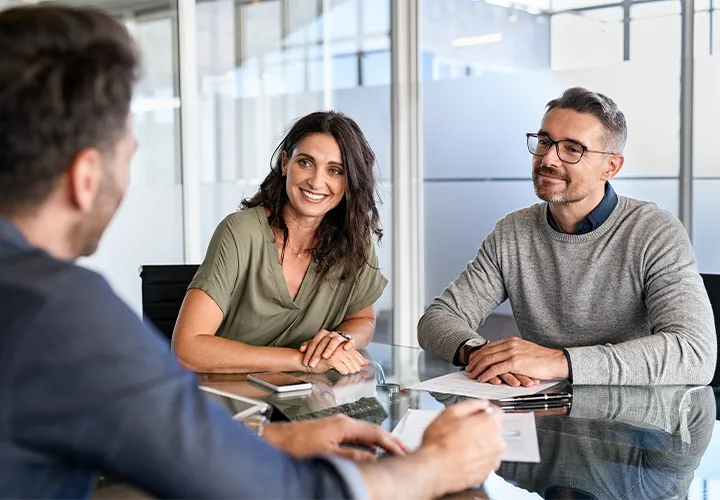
(557, 148)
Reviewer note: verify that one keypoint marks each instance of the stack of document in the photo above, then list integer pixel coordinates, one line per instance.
(518, 430)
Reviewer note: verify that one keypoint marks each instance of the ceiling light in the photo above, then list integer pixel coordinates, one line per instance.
(469, 41)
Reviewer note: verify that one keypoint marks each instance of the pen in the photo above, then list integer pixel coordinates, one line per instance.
(538, 406)
(537, 397)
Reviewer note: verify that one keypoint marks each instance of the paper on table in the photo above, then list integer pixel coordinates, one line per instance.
(412, 426)
(459, 383)
(521, 444)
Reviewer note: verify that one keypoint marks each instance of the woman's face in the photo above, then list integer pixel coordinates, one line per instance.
(315, 175)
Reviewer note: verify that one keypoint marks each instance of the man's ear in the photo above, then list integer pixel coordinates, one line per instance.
(85, 176)
(614, 166)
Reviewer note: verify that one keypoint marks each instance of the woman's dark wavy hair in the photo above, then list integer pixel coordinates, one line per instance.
(344, 237)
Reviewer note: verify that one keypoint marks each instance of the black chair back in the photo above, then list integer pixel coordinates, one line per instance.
(163, 290)
(712, 285)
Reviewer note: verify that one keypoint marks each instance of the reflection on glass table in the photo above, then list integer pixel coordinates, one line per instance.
(615, 442)
(621, 442)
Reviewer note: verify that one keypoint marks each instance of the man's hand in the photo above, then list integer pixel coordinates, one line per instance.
(465, 443)
(322, 346)
(517, 362)
(512, 379)
(325, 435)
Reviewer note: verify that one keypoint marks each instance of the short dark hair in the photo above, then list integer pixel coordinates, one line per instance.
(66, 82)
(344, 238)
(601, 107)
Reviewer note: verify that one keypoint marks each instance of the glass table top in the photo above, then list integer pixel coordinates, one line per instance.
(615, 442)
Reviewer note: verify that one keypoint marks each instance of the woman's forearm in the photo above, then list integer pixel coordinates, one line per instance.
(212, 354)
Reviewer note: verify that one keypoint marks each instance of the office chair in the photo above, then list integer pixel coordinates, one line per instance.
(712, 285)
(163, 290)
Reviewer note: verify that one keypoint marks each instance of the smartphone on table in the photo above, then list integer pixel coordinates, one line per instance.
(279, 382)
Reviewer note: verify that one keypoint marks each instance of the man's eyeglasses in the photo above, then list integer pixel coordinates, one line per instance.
(567, 150)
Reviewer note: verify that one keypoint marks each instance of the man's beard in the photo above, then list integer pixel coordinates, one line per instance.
(562, 197)
(88, 232)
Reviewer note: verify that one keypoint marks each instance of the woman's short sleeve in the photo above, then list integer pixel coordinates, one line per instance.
(219, 271)
(369, 285)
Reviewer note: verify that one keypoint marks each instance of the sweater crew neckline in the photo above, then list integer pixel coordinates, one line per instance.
(583, 238)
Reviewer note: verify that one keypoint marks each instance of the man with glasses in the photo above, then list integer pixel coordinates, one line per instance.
(604, 288)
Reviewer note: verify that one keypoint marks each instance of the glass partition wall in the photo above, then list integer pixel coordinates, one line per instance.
(224, 78)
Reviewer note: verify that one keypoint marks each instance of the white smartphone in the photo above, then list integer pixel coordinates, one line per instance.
(289, 396)
(238, 406)
(280, 382)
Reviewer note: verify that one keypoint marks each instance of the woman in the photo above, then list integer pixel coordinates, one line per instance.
(289, 282)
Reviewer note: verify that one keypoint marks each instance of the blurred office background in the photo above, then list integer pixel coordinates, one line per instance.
(224, 78)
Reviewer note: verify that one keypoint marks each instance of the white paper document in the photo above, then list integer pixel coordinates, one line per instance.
(519, 432)
(460, 384)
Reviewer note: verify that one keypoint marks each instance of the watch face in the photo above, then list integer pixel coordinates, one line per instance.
(475, 343)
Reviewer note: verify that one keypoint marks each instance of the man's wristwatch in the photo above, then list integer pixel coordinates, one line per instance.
(469, 347)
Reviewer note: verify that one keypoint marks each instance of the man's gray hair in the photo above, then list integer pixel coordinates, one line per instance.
(601, 107)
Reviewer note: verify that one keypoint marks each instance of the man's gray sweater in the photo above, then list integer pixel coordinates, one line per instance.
(626, 299)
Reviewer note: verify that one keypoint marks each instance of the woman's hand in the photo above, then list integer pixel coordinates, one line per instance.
(345, 362)
(322, 346)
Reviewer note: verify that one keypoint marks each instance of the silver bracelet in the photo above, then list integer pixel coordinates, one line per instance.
(344, 335)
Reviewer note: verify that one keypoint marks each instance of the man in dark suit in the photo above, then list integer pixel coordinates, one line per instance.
(85, 386)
